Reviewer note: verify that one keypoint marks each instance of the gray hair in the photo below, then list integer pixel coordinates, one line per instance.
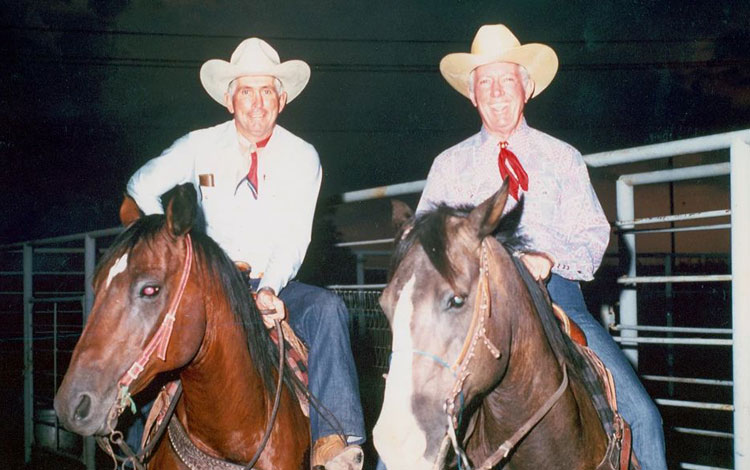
(525, 77)
(232, 87)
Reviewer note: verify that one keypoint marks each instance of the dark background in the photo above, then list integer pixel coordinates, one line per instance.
(91, 90)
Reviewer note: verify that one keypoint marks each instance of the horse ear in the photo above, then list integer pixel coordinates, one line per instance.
(485, 217)
(129, 211)
(401, 214)
(181, 209)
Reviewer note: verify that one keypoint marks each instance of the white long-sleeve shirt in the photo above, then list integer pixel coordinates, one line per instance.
(270, 233)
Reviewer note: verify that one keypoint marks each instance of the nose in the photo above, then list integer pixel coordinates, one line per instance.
(497, 90)
(400, 447)
(76, 414)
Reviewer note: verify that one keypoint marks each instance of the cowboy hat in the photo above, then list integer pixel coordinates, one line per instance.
(254, 56)
(495, 43)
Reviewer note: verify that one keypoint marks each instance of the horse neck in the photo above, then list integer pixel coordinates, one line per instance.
(533, 375)
(223, 392)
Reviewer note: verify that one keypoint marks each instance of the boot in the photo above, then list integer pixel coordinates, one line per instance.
(332, 453)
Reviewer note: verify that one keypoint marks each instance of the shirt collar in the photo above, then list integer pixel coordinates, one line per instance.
(246, 146)
(522, 130)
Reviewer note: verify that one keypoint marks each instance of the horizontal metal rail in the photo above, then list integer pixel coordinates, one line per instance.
(703, 432)
(693, 341)
(676, 174)
(663, 279)
(379, 241)
(688, 380)
(677, 229)
(672, 329)
(676, 217)
(56, 299)
(668, 149)
(356, 286)
(695, 404)
(43, 273)
(692, 466)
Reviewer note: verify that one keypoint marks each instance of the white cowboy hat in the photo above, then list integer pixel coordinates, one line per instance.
(495, 43)
(254, 56)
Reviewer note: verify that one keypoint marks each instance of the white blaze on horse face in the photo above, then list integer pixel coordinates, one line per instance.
(120, 265)
(400, 441)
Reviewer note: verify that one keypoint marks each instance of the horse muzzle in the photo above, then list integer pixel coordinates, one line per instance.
(82, 412)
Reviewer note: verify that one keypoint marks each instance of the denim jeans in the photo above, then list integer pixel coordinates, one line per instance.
(320, 319)
(633, 402)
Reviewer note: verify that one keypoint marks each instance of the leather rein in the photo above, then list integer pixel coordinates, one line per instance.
(477, 335)
(158, 344)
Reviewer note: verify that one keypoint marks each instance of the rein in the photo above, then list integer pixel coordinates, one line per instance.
(478, 332)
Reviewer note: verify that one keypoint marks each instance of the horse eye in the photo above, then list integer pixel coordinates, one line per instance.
(457, 301)
(150, 291)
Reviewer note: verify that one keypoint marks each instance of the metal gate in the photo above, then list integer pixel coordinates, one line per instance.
(44, 298)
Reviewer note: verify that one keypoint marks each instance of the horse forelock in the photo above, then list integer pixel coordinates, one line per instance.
(440, 235)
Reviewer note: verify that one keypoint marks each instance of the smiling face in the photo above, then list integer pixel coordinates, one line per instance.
(255, 103)
(500, 92)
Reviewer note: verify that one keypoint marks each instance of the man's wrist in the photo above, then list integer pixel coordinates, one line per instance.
(267, 289)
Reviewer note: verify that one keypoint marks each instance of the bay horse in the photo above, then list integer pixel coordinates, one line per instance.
(160, 271)
(480, 371)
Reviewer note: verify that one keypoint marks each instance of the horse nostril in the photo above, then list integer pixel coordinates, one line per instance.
(83, 409)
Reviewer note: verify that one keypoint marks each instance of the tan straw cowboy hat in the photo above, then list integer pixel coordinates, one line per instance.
(495, 43)
(254, 56)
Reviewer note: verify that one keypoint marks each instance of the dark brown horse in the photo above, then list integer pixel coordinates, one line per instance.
(195, 316)
(479, 370)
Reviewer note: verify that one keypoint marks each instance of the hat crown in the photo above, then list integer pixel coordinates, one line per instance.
(493, 40)
(255, 53)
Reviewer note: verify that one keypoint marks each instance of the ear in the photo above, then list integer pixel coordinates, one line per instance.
(228, 103)
(529, 90)
(282, 102)
(484, 218)
(181, 209)
(129, 211)
(401, 214)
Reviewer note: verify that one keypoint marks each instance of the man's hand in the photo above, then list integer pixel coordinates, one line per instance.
(271, 307)
(539, 265)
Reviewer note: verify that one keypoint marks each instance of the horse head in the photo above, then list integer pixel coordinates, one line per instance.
(139, 285)
(435, 302)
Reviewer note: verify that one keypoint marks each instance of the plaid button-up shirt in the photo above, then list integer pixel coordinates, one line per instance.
(562, 215)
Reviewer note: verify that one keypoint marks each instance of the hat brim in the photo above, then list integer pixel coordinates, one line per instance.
(538, 59)
(216, 75)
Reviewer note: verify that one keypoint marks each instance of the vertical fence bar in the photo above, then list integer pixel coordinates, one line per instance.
(89, 263)
(740, 203)
(628, 296)
(28, 352)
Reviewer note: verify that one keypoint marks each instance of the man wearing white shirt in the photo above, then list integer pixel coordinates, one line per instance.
(258, 185)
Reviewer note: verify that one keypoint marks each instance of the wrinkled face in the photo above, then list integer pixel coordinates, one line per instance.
(255, 104)
(429, 321)
(133, 292)
(499, 94)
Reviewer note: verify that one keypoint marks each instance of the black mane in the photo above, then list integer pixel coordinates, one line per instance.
(263, 352)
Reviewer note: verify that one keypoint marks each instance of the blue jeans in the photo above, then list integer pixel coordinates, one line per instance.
(320, 319)
(633, 402)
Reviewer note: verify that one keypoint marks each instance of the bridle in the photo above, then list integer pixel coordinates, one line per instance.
(454, 404)
(158, 345)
